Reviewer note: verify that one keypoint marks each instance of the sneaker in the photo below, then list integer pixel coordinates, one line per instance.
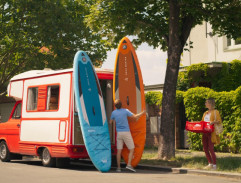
(214, 167)
(210, 166)
(129, 167)
(118, 170)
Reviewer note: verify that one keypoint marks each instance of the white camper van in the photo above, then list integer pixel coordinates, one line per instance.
(43, 121)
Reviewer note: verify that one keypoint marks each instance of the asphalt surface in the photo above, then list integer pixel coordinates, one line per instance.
(33, 171)
(142, 167)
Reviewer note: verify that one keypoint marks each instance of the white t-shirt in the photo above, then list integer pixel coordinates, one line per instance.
(207, 117)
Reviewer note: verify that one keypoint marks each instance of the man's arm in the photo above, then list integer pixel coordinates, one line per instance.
(111, 121)
(137, 116)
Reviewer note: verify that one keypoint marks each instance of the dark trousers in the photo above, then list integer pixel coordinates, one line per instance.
(208, 148)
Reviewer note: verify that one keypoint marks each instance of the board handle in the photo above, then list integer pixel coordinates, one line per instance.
(127, 100)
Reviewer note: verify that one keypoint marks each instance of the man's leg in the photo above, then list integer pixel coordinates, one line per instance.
(120, 143)
(130, 156)
(118, 158)
(130, 145)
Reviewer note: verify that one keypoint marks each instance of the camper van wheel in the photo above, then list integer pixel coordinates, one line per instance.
(47, 160)
(4, 152)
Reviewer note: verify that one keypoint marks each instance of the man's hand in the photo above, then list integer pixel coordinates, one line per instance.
(137, 116)
(111, 121)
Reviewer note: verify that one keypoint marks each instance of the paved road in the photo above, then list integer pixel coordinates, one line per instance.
(33, 171)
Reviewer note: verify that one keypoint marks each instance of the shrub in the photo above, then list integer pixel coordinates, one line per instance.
(225, 80)
(228, 104)
(154, 98)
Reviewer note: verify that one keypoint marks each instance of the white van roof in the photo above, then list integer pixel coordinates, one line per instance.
(37, 73)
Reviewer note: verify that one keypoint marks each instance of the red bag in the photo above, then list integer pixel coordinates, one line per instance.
(199, 127)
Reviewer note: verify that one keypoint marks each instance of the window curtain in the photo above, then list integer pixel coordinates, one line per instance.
(48, 97)
(30, 103)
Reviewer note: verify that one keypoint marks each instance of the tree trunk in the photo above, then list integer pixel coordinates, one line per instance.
(166, 148)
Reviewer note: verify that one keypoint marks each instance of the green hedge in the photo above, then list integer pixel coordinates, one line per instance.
(153, 98)
(228, 104)
(226, 79)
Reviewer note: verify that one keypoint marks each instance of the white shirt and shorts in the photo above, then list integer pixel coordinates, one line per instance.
(122, 128)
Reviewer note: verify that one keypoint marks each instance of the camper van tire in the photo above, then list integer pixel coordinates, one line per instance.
(47, 160)
(4, 152)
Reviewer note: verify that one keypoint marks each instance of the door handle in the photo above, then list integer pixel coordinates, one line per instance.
(127, 100)
(18, 125)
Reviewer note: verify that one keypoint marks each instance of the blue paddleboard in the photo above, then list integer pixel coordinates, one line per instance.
(91, 112)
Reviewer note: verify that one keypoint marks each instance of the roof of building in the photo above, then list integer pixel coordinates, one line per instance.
(154, 87)
(210, 64)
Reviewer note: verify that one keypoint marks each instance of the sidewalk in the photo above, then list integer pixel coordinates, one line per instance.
(189, 171)
(160, 168)
(192, 162)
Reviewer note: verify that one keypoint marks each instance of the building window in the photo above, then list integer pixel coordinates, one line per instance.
(233, 44)
(238, 41)
(53, 97)
(32, 99)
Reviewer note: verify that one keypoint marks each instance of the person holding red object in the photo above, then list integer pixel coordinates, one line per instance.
(209, 139)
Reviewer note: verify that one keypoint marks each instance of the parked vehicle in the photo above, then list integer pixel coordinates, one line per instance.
(44, 122)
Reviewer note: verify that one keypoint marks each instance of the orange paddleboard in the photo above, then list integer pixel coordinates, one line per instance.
(128, 87)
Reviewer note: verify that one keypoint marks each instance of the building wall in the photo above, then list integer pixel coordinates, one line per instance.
(152, 139)
(153, 128)
(208, 48)
(199, 40)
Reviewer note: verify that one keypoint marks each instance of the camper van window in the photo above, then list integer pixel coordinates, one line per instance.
(32, 99)
(17, 112)
(53, 97)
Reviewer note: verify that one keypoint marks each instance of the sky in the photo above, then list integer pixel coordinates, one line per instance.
(152, 63)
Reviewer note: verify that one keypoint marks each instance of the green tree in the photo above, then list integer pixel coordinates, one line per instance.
(35, 34)
(167, 24)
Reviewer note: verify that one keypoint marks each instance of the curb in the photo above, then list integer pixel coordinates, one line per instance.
(175, 170)
(190, 171)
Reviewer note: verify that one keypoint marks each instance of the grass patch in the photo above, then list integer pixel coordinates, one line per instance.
(226, 162)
